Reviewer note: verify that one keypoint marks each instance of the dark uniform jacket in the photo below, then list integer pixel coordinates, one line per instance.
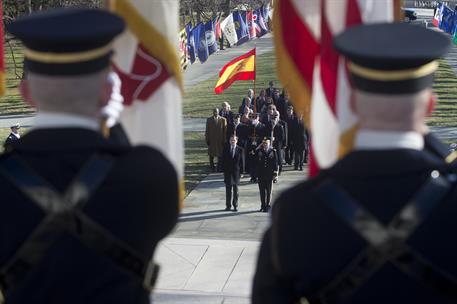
(267, 164)
(137, 202)
(269, 92)
(299, 134)
(232, 165)
(241, 131)
(228, 115)
(278, 133)
(9, 141)
(308, 245)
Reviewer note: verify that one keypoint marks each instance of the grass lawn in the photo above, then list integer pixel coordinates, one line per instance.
(11, 102)
(196, 159)
(445, 87)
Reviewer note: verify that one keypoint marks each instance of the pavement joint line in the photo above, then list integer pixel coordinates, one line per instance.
(179, 255)
(196, 266)
(233, 269)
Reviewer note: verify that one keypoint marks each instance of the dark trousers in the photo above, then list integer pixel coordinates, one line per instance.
(265, 188)
(251, 165)
(228, 195)
(279, 157)
(219, 163)
(299, 155)
(289, 154)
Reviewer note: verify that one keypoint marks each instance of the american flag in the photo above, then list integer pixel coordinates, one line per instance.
(315, 75)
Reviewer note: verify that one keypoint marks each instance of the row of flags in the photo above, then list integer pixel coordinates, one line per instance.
(201, 41)
(445, 18)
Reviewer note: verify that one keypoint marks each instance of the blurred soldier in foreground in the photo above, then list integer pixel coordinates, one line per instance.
(13, 137)
(80, 217)
(379, 226)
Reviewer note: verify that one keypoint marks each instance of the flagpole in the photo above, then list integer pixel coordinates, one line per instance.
(255, 77)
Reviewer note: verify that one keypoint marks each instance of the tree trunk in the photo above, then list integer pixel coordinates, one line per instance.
(227, 7)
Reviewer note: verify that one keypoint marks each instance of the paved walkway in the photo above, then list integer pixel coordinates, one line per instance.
(210, 257)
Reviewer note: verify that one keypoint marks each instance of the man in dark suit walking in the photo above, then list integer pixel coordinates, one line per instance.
(233, 162)
(80, 217)
(267, 171)
(378, 226)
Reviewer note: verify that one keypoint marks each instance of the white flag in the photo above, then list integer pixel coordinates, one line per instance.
(146, 59)
(228, 27)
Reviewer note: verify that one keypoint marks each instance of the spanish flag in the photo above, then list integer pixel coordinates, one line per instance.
(240, 68)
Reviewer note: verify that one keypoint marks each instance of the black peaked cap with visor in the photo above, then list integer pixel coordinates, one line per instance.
(391, 58)
(70, 41)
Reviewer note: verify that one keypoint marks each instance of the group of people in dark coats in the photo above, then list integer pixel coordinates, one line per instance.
(287, 139)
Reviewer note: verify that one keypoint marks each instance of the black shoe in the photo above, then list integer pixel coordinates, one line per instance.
(262, 210)
(295, 168)
(301, 168)
(265, 210)
(235, 209)
(227, 209)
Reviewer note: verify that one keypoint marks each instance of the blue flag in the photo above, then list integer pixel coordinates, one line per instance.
(200, 42)
(241, 27)
(210, 37)
(261, 27)
(265, 10)
(190, 42)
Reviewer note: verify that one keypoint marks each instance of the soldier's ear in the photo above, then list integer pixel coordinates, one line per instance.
(24, 89)
(431, 104)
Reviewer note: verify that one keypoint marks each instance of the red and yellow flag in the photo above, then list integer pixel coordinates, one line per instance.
(240, 68)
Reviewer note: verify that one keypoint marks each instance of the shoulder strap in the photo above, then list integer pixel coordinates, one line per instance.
(385, 244)
(64, 215)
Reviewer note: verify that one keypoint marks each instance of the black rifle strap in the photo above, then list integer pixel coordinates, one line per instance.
(64, 214)
(385, 244)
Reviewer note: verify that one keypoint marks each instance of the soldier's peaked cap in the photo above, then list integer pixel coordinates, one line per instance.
(391, 58)
(68, 41)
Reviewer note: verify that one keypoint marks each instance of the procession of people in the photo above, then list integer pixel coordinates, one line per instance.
(287, 137)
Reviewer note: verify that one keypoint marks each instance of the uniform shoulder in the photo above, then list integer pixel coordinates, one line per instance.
(297, 196)
(146, 159)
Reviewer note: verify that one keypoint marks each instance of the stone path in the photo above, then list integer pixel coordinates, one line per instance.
(210, 257)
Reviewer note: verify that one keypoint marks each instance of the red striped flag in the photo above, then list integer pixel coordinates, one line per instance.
(315, 75)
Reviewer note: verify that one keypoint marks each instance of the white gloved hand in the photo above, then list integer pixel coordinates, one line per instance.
(114, 107)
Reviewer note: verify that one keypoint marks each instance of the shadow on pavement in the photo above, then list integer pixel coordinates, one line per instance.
(207, 217)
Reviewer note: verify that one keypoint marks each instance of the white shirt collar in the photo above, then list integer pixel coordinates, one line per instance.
(17, 135)
(387, 140)
(46, 120)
